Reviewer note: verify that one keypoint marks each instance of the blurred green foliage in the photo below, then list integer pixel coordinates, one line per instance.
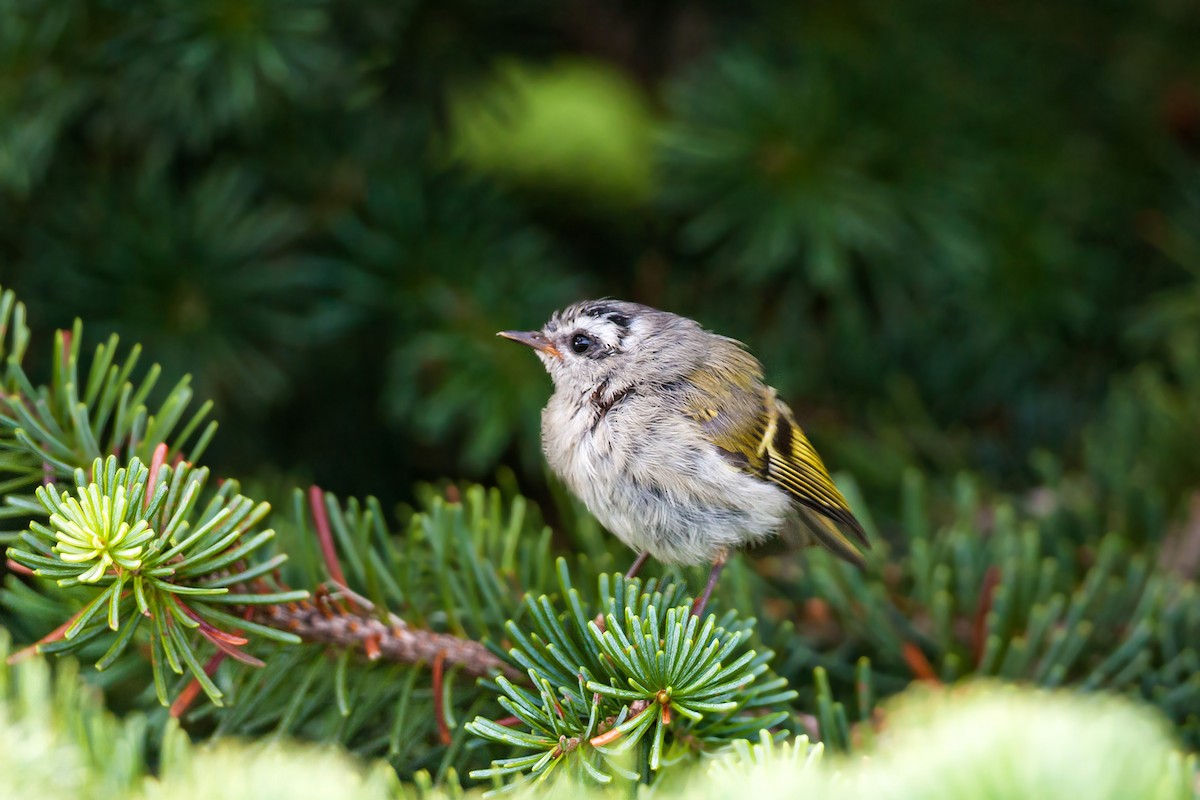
(980, 741)
(580, 126)
(957, 236)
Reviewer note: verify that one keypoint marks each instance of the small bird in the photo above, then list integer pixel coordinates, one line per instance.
(671, 438)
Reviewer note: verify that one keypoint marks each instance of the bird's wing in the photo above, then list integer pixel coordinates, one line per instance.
(757, 432)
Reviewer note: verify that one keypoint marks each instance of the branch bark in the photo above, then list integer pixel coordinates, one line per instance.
(396, 642)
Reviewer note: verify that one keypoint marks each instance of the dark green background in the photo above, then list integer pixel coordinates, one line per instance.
(959, 235)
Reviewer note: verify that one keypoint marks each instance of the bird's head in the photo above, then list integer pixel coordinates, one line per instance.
(613, 342)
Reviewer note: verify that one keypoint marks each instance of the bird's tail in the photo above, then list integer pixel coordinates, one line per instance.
(832, 534)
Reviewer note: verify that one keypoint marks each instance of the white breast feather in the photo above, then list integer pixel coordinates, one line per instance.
(650, 477)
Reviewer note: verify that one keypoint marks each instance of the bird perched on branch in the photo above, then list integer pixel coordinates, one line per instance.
(671, 438)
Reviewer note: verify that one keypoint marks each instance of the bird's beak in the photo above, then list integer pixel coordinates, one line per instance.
(535, 339)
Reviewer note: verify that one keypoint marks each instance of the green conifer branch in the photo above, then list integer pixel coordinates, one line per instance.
(392, 635)
(89, 409)
(143, 552)
(20, 467)
(1021, 603)
(643, 676)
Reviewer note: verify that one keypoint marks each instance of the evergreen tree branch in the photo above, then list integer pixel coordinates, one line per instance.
(1023, 602)
(88, 410)
(147, 553)
(653, 680)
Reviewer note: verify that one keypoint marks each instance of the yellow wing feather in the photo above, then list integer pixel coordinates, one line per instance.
(794, 464)
(757, 431)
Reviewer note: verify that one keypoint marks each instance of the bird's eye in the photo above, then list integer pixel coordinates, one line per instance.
(581, 343)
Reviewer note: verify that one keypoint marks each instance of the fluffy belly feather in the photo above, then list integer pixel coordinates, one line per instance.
(683, 503)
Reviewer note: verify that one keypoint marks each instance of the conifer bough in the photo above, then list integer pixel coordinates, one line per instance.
(652, 671)
(156, 559)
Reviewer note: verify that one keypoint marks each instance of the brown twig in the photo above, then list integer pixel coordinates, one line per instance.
(397, 642)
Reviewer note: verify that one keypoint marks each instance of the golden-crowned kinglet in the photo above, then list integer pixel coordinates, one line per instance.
(670, 437)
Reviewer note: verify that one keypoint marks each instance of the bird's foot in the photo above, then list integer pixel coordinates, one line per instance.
(702, 601)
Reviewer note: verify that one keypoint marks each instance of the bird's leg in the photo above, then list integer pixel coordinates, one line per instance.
(637, 564)
(702, 600)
